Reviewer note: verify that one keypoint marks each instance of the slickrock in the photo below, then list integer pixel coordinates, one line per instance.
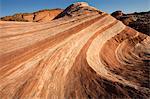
(80, 56)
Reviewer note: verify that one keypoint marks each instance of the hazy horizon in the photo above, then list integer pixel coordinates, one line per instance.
(9, 7)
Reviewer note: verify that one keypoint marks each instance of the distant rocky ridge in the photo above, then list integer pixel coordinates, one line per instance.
(73, 10)
(140, 21)
(39, 16)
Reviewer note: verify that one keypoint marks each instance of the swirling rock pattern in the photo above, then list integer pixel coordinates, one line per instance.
(87, 56)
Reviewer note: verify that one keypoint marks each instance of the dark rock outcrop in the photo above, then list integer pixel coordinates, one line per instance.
(139, 21)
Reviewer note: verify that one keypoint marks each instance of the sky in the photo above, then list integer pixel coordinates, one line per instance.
(10, 7)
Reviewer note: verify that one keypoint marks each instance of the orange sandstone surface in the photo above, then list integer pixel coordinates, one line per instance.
(75, 56)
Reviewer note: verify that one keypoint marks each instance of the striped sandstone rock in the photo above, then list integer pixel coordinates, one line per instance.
(79, 57)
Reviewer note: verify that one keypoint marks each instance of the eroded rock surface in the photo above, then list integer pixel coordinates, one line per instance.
(82, 57)
(77, 9)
